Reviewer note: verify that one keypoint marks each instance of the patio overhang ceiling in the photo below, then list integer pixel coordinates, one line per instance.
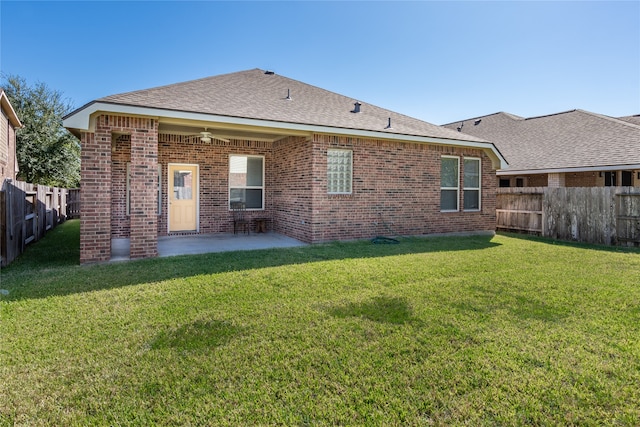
(229, 127)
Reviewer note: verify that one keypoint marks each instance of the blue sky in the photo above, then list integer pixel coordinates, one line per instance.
(436, 61)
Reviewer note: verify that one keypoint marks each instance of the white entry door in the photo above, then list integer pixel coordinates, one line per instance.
(183, 197)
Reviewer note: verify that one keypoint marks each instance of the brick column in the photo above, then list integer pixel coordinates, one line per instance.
(95, 197)
(144, 188)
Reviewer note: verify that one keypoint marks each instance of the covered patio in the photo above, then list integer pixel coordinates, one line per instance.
(206, 243)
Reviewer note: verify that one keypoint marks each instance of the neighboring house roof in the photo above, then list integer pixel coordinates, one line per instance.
(264, 100)
(8, 109)
(571, 141)
(631, 119)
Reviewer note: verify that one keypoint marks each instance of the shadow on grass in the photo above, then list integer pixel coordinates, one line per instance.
(198, 335)
(51, 266)
(487, 301)
(571, 244)
(381, 309)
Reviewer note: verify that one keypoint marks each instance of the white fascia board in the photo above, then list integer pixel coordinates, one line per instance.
(9, 111)
(82, 120)
(504, 172)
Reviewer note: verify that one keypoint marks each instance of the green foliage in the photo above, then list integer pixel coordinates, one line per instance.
(47, 153)
(478, 331)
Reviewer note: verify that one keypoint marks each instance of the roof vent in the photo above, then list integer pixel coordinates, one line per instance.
(288, 98)
(460, 127)
(356, 107)
(389, 124)
(477, 122)
(269, 72)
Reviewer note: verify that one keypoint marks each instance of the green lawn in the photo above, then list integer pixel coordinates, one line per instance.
(500, 330)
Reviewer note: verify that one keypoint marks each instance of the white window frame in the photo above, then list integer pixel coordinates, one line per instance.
(456, 188)
(128, 195)
(247, 187)
(335, 174)
(478, 188)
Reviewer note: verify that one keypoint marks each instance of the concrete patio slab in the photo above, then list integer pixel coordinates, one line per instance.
(206, 243)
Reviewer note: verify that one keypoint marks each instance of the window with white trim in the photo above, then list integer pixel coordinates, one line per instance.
(246, 180)
(449, 183)
(471, 191)
(128, 196)
(339, 171)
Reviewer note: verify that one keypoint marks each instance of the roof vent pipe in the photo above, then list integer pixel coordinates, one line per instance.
(288, 95)
(388, 124)
(356, 107)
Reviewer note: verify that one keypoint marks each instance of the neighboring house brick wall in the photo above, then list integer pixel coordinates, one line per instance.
(583, 179)
(8, 164)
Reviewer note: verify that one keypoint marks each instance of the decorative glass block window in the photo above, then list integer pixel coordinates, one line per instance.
(339, 171)
(246, 181)
(128, 172)
(449, 184)
(471, 184)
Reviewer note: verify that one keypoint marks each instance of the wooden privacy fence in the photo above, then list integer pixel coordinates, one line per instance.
(599, 215)
(73, 203)
(27, 212)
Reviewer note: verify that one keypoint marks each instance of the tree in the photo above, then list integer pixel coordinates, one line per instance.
(47, 153)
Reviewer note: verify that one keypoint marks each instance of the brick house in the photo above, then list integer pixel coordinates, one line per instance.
(317, 165)
(8, 125)
(575, 148)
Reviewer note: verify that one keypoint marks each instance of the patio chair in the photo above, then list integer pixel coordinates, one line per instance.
(240, 222)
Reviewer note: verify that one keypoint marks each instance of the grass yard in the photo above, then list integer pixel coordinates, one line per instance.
(500, 330)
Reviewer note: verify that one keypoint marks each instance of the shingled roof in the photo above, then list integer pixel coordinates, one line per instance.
(635, 119)
(568, 141)
(263, 95)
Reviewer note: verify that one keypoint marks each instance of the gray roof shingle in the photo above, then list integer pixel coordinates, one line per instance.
(256, 94)
(635, 119)
(571, 139)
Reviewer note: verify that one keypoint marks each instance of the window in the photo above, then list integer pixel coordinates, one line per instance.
(471, 184)
(129, 189)
(246, 181)
(610, 179)
(339, 171)
(505, 182)
(449, 184)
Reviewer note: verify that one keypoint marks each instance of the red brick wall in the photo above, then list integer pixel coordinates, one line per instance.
(143, 178)
(95, 196)
(396, 187)
(213, 161)
(101, 207)
(120, 223)
(293, 183)
(396, 191)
